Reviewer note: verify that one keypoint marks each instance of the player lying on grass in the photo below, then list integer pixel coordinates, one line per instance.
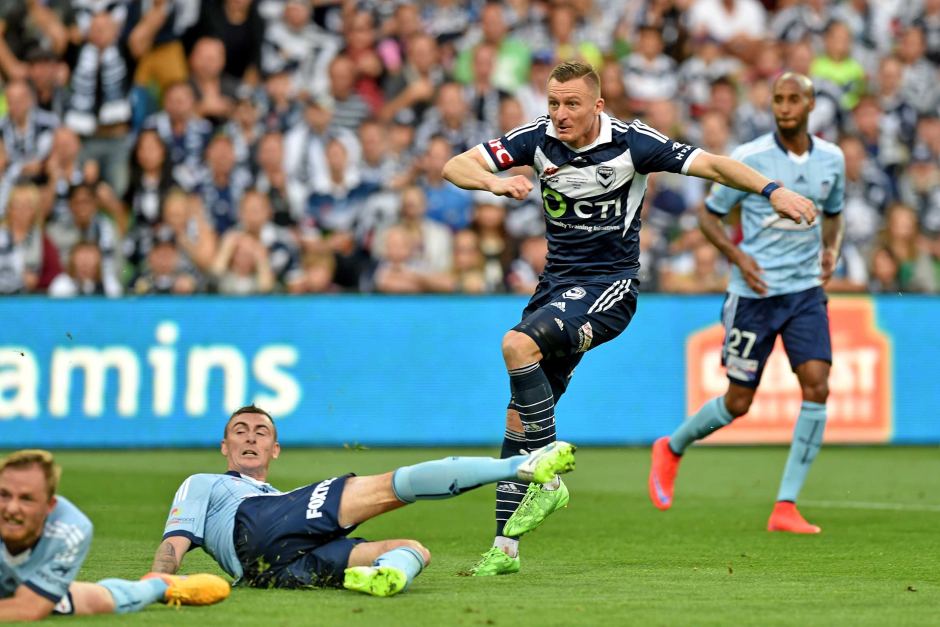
(300, 539)
(45, 539)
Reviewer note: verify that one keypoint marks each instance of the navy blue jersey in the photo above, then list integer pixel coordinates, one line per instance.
(591, 195)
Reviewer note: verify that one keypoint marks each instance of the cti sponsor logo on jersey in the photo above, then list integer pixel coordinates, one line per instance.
(499, 151)
(318, 498)
(556, 206)
(860, 395)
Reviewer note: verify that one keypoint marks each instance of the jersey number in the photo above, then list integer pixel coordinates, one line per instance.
(734, 340)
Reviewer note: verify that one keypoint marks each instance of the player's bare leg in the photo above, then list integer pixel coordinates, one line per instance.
(807, 439)
(667, 450)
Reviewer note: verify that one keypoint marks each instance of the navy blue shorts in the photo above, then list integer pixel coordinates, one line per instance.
(568, 318)
(753, 324)
(294, 540)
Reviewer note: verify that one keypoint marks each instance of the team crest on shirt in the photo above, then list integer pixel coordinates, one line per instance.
(549, 171)
(605, 175)
(575, 293)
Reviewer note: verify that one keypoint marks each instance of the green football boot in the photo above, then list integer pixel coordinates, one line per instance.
(544, 463)
(537, 504)
(495, 562)
(381, 581)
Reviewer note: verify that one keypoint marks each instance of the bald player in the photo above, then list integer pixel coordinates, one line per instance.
(775, 289)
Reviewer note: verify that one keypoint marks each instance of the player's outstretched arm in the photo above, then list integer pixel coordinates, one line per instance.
(468, 170)
(170, 554)
(733, 173)
(714, 231)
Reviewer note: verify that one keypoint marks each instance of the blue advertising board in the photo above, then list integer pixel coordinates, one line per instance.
(371, 370)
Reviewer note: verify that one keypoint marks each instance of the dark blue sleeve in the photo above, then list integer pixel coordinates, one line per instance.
(652, 151)
(515, 148)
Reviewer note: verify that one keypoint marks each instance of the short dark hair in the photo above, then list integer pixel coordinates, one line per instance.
(249, 409)
(573, 70)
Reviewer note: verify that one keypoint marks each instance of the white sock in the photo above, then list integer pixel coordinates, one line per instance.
(509, 546)
(553, 484)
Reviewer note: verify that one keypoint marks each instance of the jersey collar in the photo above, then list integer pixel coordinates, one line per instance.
(14, 560)
(604, 137)
(793, 156)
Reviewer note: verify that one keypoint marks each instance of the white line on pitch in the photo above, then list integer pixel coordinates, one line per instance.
(896, 507)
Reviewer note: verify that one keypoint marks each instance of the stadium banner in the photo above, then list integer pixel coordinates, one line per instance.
(426, 370)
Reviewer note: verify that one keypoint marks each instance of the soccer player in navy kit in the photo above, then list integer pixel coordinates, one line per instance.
(776, 289)
(300, 539)
(593, 172)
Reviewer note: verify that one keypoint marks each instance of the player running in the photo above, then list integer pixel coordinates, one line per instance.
(44, 539)
(299, 539)
(593, 171)
(776, 289)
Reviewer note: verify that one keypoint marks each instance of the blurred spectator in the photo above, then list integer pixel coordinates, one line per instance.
(372, 62)
(482, 96)
(241, 29)
(165, 272)
(566, 41)
(511, 55)
(154, 32)
(801, 21)
(295, 46)
(919, 188)
(929, 22)
(616, 101)
(881, 140)
(738, 24)
(754, 116)
(336, 199)
(647, 72)
(99, 109)
(349, 109)
(401, 271)
(214, 91)
(901, 115)
(448, 20)
(901, 239)
(25, 241)
(27, 130)
(84, 276)
(489, 223)
(88, 225)
(280, 109)
(150, 179)
(919, 83)
(838, 67)
(451, 119)
(245, 130)
(222, 188)
(527, 268)
(410, 92)
(241, 267)
(29, 25)
(699, 71)
(271, 179)
(255, 221)
(9, 174)
(447, 203)
(468, 271)
(867, 194)
(432, 240)
(183, 132)
(534, 94)
(377, 166)
(63, 170)
(45, 75)
(193, 235)
(707, 274)
(319, 268)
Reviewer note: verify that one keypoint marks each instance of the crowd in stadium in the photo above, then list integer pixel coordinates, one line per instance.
(258, 146)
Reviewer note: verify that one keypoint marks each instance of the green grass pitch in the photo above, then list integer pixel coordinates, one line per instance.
(609, 559)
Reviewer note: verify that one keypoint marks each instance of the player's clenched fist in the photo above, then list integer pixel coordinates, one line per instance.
(517, 187)
(789, 204)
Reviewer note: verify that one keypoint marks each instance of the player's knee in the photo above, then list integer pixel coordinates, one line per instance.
(519, 348)
(738, 404)
(816, 392)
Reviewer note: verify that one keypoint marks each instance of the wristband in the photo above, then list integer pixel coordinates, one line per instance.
(769, 189)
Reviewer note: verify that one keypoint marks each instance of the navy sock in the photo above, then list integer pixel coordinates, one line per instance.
(532, 398)
(509, 493)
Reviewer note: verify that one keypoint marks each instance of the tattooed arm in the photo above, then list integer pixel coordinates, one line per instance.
(170, 555)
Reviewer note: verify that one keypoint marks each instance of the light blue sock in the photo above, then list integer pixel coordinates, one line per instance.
(807, 438)
(133, 596)
(712, 416)
(405, 559)
(444, 478)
